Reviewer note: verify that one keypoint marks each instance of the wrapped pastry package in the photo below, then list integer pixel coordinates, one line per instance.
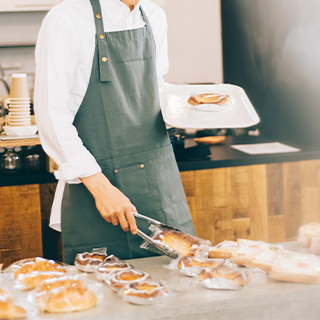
(246, 250)
(296, 267)
(223, 250)
(88, 261)
(184, 244)
(210, 101)
(191, 267)
(9, 310)
(315, 243)
(144, 292)
(67, 294)
(106, 269)
(265, 258)
(225, 278)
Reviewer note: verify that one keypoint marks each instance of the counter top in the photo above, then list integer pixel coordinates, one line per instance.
(270, 300)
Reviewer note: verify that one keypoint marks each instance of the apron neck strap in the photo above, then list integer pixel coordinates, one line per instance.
(102, 42)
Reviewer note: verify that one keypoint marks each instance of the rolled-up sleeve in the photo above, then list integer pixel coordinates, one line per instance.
(56, 61)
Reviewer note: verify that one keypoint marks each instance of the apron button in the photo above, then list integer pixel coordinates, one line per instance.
(101, 36)
(116, 171)
(98, 16)
(104, 59)
(141, 166)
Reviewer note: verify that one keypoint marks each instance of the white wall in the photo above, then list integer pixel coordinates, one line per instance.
(194, 37)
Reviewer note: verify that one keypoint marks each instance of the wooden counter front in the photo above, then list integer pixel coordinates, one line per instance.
(260, 202)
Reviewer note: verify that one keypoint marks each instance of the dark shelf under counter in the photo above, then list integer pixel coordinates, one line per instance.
(222, 155)
(26, 178)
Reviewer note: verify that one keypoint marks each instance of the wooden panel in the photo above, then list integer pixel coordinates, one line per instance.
(187, 178)
(275, 188)
(19, 143)
(258, 203)
(20, 223)
(241, 228)
(240, 192)
(276, 229)
(292, 199)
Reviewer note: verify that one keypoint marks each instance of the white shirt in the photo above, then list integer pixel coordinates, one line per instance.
(64, 55)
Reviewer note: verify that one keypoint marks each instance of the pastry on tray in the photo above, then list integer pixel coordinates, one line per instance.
(225, 277)
(8, 310)
(183, 243)
(209, 98)
(223, 250)
(40, 265)
(88, 261)
(53, 283)
(144, 292)
(120, 279)
(66, 299)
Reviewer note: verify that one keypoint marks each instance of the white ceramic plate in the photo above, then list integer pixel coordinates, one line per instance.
(177, 112)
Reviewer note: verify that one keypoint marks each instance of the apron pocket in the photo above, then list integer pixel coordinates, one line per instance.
(132, 181)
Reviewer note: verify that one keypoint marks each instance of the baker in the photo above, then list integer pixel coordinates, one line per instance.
(98, 114)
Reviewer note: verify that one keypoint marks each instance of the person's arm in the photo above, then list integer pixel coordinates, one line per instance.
(56, 60)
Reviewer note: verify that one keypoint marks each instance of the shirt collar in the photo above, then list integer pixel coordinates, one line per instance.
(116, 9)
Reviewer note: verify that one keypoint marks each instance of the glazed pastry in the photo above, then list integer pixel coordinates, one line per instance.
(33, 279)
(8, 310)
(246, 251)
(145, 292)
(106, 269)
(122, 278)
(89, 261)
(183, 243)
(223, 250)
(40, 265)
(232, 278)
(296, 267)
(208, 98)
(306, 233)
(188, 262)
(66, 299)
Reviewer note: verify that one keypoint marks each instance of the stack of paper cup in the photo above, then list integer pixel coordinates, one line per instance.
(19, 103)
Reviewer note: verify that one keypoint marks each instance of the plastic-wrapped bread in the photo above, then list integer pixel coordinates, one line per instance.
(8, 310)
(315, 243)
(306, 233)
(120, 279)
(41, 265)
(144, 292)
(107, 269)
(33, 279)
(53, 283)
(66, 299)
(246, 251)
(88, 261)
(223, 250)
(265, 259)
(184, 244)
(226, 277)
(296, 267)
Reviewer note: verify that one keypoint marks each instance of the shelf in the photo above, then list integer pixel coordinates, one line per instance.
(19, 143)
(17, 44)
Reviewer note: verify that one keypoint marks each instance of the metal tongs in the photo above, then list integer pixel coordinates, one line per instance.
(162, 247)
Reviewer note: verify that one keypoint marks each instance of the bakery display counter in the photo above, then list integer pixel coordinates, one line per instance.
(270, 300)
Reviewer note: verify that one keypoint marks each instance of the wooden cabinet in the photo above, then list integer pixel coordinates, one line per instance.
(261, 202)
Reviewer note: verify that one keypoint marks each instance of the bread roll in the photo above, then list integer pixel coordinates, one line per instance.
(183, 243)
(223, 250)
(106, 269)
(67, 299)
(187, 262)
(54, 283)
(315, 243)
(120, 279)
(41, 266)
(210, 139)
(208, 98)
(8, 310)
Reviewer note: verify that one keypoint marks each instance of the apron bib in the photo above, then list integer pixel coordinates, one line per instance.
(120, 123)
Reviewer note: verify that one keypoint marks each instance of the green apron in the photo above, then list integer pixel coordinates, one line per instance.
(120, 123)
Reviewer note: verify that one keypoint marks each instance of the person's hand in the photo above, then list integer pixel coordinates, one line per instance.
(112, 204)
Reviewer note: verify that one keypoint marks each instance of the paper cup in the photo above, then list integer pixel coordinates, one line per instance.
(19, 86)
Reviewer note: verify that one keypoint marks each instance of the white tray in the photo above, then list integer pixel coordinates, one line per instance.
(178, 113)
